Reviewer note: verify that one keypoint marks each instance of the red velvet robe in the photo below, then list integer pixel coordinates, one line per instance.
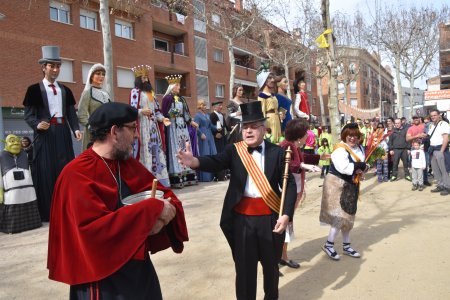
(89, 238)
(304, 105)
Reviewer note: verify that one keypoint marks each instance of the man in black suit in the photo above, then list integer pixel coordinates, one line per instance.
(250, 219)
(50, 112)
(219, 131)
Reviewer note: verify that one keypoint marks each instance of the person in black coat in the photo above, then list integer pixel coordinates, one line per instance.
(50, 112)
(250, 217)
(220, 132)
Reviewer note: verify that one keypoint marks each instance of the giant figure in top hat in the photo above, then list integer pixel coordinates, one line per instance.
(50, 112)
(250, 215)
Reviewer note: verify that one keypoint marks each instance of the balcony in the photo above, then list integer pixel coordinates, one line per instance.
(172, 23)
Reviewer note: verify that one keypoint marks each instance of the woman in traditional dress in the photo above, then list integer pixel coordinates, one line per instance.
(149, 148)
(295, 139)
(266, 83)
(91, 98)
(176, 109)
(234, 114)
(341, 190)
(206, 144)
(283, 101)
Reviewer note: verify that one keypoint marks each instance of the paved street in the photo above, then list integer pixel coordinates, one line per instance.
(402, 236)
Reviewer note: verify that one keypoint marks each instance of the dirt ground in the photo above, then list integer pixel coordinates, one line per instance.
(402, 236)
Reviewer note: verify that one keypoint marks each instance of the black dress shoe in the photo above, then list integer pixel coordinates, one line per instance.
(427, 183)
(290, 263)
(445, 192)
(437, 189)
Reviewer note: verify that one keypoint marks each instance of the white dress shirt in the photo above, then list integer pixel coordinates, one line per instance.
(250, 187)
(54, 101)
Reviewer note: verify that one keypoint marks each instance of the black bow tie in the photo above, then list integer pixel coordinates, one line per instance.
(251, 149)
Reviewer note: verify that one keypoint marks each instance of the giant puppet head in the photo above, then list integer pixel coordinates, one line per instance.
(12, 144)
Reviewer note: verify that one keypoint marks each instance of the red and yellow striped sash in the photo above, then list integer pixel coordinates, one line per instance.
(262, 184)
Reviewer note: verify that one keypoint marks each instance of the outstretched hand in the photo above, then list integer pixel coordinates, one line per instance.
(186, 158)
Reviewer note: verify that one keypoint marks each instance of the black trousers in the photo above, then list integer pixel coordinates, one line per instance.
(136, 280)
(403, 155)
(254, 241)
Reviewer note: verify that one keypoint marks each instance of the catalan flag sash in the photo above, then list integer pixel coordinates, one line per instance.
(262, 184)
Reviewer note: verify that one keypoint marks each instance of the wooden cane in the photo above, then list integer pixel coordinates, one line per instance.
(285, 178)
(154, 184)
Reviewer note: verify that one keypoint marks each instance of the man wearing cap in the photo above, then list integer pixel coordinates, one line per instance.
(219, 130)
(50, 112)
(96, 244)
(250, 216)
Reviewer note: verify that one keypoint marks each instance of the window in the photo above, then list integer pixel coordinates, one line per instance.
(353, 87)
(161, 86)
(220, 91)
(202, 88)
(59, 12)
(88, 19)
(123, 29)
(199, 15)
(85, 67)
(354, 102)
(215, 19)
(161, 45)
(66, 71)
(179, 48)
(125, 78)
(341, 88)
(201, 62)
(218, 55)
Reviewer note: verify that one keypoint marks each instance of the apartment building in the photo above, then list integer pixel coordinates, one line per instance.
(358, 85)
(437, 95)
(169, 41)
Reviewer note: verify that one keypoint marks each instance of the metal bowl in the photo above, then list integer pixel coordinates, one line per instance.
(132, 199)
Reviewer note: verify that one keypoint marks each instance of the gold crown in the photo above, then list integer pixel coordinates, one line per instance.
(141, 70)
(173, 79)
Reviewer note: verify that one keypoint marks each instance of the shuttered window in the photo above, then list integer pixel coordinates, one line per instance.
(202, 88)
(201, 62)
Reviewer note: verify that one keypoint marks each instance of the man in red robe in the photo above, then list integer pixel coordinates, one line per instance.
(96, 244)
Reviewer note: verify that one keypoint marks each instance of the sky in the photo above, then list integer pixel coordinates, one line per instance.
(367, 7)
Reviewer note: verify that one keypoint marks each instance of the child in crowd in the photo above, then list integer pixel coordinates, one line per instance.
(418, 164)
(324, 163)
(383, 162)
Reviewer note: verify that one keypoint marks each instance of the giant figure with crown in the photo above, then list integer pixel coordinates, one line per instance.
(175, 108)
(149, 148)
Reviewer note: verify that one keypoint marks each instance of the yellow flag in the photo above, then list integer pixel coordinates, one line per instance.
(322, 40)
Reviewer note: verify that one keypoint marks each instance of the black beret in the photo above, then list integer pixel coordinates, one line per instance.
(112, 113)
(350, 126)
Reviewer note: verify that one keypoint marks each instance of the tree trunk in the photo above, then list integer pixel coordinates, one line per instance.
(322, 107)
(333, 106)
(286, 73)
(399, 86)
(107, 47)
(411, 97)
(232, 65)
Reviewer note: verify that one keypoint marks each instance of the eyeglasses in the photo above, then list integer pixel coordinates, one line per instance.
(133, 127)
(251, 126)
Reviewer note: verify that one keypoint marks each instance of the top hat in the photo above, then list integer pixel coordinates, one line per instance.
(50, 54)
(252, 112)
